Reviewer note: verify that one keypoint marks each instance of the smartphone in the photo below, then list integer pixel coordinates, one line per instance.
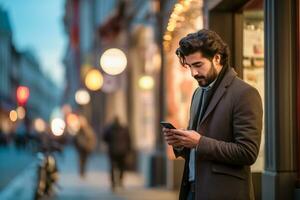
(167, 125)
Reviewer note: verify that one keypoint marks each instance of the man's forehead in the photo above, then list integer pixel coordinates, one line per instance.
(197, 56)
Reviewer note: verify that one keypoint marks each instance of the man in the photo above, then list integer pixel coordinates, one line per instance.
(85, 143)
(119, 146)
(224, 132)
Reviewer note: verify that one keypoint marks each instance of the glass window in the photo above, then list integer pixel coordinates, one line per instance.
(253, 64)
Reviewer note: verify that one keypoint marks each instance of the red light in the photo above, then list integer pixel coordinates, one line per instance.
(22, 95)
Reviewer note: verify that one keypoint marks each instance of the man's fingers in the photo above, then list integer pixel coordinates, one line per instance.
(178, 132)
(173, 142)
(170, 137)
(179, 137)
(165, 129)
(168, 134)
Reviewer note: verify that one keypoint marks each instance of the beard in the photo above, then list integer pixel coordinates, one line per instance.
(212, 74)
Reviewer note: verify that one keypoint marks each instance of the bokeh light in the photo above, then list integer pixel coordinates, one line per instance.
(82, 97)
(39, 125)
(146, 82)
(94, 80)
(113, 61)
(73, 123)
(21, 112)
(13, 115)
(22, 94)
(58, 126)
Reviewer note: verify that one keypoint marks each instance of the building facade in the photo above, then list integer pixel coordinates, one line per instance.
(44, 94)
(5, 59)
(22, 68)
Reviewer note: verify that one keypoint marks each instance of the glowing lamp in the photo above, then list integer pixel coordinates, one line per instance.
(82, 97)
(13, 115)
(39, 125)
(58, 126)
(94, 80)
(146, 82)
(113, 61)
(22, 95)
(73, 122)
(21, 112)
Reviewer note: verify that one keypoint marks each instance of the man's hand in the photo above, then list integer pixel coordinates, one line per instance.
(170, 138)
(185, 138)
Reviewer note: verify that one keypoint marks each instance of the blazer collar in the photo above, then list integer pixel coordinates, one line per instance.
(225, 82)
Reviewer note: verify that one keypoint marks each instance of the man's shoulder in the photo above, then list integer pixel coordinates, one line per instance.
(238, 85)
(240, 89)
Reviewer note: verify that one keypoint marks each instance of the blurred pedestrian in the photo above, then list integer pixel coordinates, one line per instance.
(119, 146)
(85, 143)
(224, 132)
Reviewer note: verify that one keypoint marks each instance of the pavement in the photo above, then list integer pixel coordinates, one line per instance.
(12, 162)
(96, 184)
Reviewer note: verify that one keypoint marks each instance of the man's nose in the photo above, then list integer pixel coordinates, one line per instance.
(194, 72)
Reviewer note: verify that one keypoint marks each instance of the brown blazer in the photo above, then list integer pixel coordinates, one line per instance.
(231, 134)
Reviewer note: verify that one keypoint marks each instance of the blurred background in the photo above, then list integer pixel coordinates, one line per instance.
(69, 69)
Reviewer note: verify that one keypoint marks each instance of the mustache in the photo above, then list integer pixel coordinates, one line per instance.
(197, 77)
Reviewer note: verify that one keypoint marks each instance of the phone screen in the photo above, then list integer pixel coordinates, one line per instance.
(167, 125)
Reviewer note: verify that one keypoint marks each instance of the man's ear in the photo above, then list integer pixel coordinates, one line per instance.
(217, 59)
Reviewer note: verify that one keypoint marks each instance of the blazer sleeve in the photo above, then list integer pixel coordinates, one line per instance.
(247, 126)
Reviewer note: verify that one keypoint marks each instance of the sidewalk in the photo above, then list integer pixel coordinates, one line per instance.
(13, 162)
(96, 184)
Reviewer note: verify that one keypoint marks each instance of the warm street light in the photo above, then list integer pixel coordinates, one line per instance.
(39, 125)
(73, 123)
(13, 115)
(146, 82)
(58, 126)
(22, 95)
(113, 61)
(94, 80)
(21, 112)
(82, 97)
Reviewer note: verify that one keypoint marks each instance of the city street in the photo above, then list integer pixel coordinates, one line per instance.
(95, 82)
(95, 185)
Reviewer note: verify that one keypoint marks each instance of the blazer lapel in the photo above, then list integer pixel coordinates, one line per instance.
(194, 106)
(227, 79)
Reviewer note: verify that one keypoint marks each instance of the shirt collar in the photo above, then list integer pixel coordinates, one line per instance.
(209, 86)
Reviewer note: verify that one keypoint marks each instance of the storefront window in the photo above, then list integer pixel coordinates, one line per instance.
(253, 64)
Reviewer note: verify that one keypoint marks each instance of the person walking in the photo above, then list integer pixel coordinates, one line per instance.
(119, 145)
(224, 132)
(85, 143)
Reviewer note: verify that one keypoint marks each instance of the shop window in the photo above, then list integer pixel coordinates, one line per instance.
(253, 63)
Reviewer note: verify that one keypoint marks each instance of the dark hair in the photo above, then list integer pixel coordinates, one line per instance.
(208, 42)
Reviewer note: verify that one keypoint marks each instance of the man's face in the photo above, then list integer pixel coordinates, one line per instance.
(202, 69)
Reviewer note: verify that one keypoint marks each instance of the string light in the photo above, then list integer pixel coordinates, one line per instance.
(176, 18)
